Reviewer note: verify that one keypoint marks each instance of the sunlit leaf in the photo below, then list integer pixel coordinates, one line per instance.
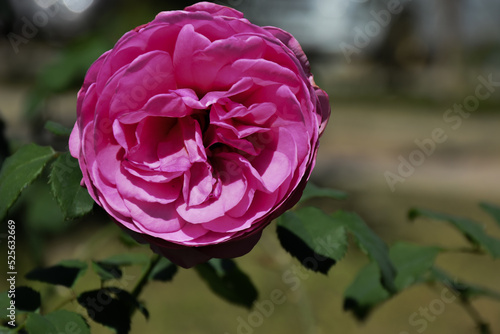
(19, 170)
(68, 322)
(473, 231)
(370, 243)
(412, 262)
(38, 324)
(313, 237)
(365, 292)
(312, 191)
(65, 178)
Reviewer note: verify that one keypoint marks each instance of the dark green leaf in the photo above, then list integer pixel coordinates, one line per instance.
(68, 322)
(109, 268)
(65, 178)
(27, 299)
(4, 144)
(227, 281)
(19, 170)
(312, 191)
(111, 307)
(493, 210)
(365, 292)
(313, 237)
(57, 129)
(38, 324)
(370, 243)
(42, 213)
(65, 273)
(127, 240)
(7, 330)
(462, 289)
(127, 259)
(473, 231)
(412, 262)
(106, 271)
(163, 271)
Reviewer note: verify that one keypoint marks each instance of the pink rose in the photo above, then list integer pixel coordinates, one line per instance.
(197, 129)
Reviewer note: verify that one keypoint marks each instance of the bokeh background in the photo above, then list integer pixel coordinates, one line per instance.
(392, 69)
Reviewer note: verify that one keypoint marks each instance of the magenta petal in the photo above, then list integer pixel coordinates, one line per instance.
(153, 217)
(232, 191)
(74, 141)
(130, 186)
(323, 108)
(187, 43)
(214, 9)
(293, 45)
(198, 182)
(148, 75)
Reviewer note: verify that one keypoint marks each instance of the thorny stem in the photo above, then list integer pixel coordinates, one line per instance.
(484, 327)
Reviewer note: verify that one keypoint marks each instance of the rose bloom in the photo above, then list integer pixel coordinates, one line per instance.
(197, 130)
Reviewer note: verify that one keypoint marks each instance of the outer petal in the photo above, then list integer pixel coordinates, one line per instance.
(214, 9)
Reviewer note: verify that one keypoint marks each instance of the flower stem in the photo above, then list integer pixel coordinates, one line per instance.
(484, 327)
(465, 250)
(145, 276)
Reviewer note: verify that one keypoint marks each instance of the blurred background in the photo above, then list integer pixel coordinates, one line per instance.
(394, 70)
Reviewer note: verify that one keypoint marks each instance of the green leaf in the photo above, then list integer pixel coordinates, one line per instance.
(4, 304)
(106, 271)
(127, 259)
(163, 271)
(313, 237)
(7, 330)
(65, 178)
(462, 289)
(19, 170)
(60, 321)
(68, 322)
(412, 262)
(65, 273)
(365, 292)
(492, 209)
(127, 240)
(371, 244)
(227, 281)
(42, 213)
(38, 324)
(473, 231)
(111, 307)
(312, 191)
(57, 129)
(109, 268)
